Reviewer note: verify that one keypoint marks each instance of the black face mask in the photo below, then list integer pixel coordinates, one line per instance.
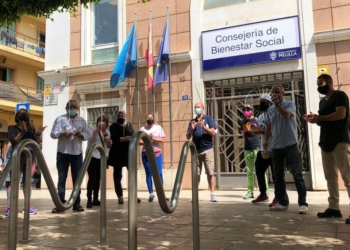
(323, 90)
(264, 106)
(120, 120)
(23, 117)
(150, 122)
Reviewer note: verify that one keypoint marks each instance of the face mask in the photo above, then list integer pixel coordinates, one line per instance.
(23, 117)
(100, 124)
(120, 120)
(198, 111)
(72, 112)
(247, 113)
(150, 121)
(323, 90)
(264, 106)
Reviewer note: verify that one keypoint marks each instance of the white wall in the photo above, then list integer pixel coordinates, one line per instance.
(57, 51)
(57, 56)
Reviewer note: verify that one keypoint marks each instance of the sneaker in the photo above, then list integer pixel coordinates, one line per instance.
(328, 213)
(261, 198)
(120, 200)
(96, 203)
(138, 200)
(32, 211)
(248, 196)
(274, 202)
(303, 209)
(78, 208)
(151, 198)
(347, 221)
(213, 198)
(7, 213)
(89, 204)
(279, 207)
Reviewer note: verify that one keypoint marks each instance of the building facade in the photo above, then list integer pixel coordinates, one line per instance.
(223, 53)
(22, 56)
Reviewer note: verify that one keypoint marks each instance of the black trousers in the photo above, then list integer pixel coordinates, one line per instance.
(261, 165)
(94, 173)
(117, 178)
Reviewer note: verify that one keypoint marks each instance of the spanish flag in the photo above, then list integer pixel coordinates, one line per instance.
(149, 57)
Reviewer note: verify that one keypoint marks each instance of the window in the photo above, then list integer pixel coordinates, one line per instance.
(105, 31)
(94, 113)
(5, 74)
(40, 83)
(211, 4)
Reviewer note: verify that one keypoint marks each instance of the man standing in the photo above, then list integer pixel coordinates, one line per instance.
(202, 129)
(251, 146)
(71, 130)
(263, 159)
(333, 119)
(282, 128)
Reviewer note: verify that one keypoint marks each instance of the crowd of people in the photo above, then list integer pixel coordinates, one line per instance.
(270, 140)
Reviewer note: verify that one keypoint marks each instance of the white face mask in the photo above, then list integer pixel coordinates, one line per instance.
(198, 111)
(100, 123)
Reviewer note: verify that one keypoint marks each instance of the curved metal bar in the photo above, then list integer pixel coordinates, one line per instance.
(167, 208)
(15, 161)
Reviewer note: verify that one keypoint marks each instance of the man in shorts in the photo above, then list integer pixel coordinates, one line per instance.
(202, 129)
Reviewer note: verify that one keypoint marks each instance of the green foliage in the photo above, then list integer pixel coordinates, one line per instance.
(13, 10)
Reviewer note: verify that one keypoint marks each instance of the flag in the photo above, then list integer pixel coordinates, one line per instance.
(127, 59)
(149, 57)
(161, 74)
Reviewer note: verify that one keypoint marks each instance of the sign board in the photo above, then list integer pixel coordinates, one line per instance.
(24, 105)
(322, 69)
(47, 89)
(51, 99)
(249, 44)
(185, 97)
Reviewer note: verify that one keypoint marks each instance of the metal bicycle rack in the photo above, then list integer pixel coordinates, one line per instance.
(134, 143)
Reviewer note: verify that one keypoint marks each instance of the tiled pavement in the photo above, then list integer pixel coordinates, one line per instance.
(231, 223)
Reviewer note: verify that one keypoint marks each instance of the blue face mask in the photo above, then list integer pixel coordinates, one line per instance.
(198, 111)
(72, 112)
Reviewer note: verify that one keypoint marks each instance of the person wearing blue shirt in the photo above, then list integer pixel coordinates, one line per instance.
(202, 129)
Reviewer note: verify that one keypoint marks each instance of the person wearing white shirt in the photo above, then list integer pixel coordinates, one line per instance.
(157, 135)
(71, 130)
(99, 134)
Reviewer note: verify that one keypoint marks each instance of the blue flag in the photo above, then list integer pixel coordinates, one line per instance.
(127, 59)
(161, 74)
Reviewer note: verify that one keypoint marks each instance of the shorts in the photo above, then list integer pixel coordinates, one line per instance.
(206, 157)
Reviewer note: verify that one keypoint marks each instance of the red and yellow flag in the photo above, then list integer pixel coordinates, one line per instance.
(149, 57)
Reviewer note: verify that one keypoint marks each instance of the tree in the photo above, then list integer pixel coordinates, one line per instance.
(13, 10)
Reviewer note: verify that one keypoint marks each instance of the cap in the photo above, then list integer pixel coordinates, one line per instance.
(247, 106)
(266, 97)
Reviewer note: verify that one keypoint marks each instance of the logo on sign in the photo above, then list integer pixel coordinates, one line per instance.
(273, 55)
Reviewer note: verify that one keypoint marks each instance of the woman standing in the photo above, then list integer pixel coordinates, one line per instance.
(121, 132)
(98, 135)
(157, 135)
(20, 131)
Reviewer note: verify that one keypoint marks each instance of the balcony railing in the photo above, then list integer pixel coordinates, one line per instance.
(22, 42)
(18, 93)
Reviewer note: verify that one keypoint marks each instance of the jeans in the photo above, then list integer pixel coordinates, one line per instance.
(291, 154)
(94, 172)
(62, 162)
(250, 156)
(261, 165)
(148, 171)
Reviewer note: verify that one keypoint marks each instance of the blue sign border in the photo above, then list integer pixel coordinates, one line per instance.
(250, 59)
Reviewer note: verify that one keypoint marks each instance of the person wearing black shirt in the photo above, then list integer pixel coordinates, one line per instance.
(333, 118)
(251, 146)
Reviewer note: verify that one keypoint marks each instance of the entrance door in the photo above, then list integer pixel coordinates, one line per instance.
(230, 96)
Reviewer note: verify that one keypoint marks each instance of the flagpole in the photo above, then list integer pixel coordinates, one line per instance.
(153, 93)
(137, 77)
(170, 99)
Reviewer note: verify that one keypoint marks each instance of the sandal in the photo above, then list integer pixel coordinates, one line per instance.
(55, 210)
(78, 208)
